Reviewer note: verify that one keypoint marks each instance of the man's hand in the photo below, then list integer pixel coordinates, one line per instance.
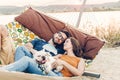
(33, 51)
(29, 46)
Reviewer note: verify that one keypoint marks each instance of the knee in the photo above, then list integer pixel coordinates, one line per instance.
(26, 58)
(20, 48)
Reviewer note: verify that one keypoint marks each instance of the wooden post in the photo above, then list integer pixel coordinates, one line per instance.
(91, 74)
(80, 14)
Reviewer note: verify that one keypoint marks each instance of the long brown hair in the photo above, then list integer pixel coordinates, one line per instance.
(76, 47)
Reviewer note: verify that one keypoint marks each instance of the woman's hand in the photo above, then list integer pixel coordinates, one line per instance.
(58, 62)
(58, 56)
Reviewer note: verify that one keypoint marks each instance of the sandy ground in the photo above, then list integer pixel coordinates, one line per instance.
(107, 63)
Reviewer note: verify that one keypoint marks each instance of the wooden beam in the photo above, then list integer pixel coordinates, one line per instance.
(80, 14)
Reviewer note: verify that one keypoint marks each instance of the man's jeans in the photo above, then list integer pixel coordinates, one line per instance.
(21, 52)
(28, 65)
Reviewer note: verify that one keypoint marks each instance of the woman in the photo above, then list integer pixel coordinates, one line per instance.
(72, 64)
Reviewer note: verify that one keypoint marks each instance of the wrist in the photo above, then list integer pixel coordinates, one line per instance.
(63, 62)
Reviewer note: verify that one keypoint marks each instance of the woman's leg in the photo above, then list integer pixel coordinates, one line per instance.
(21, 52)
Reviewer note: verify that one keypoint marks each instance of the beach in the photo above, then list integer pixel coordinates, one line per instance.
(107, 63)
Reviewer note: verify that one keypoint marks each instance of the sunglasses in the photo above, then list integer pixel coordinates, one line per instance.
(60, 36)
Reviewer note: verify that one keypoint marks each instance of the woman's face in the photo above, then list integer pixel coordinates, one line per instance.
(67, 44)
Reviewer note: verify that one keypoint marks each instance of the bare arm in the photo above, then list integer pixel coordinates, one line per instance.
(33, 51)
(57, 56)
(81, 66)
(29, 46)
(76, 71)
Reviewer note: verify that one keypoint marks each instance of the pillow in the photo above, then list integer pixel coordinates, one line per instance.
(19, 34)
(45, 27)
(89, 44)
(40, 24)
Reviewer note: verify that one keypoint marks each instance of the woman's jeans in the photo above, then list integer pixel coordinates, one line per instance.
(28, 65)
(21, 52)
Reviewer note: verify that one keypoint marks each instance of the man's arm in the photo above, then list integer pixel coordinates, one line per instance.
(33, 51)
(28, 45)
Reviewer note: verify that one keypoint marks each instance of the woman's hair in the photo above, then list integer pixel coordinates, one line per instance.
(76, 47)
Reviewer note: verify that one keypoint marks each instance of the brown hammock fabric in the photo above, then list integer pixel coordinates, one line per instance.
(45, 27)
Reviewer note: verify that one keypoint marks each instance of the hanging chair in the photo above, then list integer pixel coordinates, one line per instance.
(31, 24)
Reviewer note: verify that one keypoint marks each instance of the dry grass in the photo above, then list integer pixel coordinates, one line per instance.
(110, 34)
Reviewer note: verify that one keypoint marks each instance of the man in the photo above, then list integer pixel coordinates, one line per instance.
(54, 45)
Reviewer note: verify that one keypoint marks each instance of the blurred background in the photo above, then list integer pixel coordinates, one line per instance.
(100, 18)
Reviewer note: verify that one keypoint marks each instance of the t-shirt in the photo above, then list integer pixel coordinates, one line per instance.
(39, 44)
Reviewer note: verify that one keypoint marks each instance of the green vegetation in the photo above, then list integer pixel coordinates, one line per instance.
(0, 62)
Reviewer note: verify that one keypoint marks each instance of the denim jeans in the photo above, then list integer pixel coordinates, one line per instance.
(28, 65)
(21, 52)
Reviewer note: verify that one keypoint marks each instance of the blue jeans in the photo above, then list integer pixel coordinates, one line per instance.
(28, 65)
(21, 52)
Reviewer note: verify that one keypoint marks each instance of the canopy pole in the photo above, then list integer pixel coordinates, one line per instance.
(80, 14)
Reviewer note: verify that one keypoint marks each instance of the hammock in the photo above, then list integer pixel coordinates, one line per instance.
(33, 24)
(5, 75)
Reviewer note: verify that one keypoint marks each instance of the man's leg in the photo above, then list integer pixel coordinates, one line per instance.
(28, 65)
(24, 64)
(21, 52)
(52, 73)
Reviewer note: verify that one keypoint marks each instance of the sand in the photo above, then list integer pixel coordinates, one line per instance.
(107, 63)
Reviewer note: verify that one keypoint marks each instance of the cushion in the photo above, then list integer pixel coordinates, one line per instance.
(89, 44)
(40, 24)
(19, 33)
(45, 27)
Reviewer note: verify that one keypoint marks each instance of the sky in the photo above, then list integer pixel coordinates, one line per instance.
(49, 2)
